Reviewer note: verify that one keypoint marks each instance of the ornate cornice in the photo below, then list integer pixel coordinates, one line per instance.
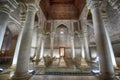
(33, 4)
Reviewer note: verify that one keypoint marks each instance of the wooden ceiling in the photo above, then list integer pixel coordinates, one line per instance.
(62, 9)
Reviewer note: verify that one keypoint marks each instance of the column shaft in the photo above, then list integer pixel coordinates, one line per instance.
(39, 41)
(24, 52)
(87, 53)
(110, 49)
(52, 44)
(42, 48)
(15, 58)
(106, 67)
(3, 24)
(73, 48)
(82, 48)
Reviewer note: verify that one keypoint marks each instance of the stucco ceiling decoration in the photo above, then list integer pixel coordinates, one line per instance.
(62, 9)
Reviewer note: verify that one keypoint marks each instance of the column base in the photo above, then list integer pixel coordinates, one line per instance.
(37, 61)
(103, 77)
(22, 76)
(116, 68)
(13, 67)
(41, 63)
(84, 63)
(62, 62)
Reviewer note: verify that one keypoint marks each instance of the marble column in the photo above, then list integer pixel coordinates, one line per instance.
(110, 48)
(22, 67)
(82, 46)
(86, 44)
(83, 60)
(42, 52)
(73, 47)
(14, 62)
(6, 7)
(42, 47)
(52, 44)
(108, 40)
(34, 43)
(106, 67)
(39, 41)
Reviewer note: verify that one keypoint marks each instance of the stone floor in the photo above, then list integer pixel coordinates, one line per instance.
(71, 73)
(57, 77)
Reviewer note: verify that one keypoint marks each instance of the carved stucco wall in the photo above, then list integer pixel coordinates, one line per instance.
(114, 30)
(113, 23)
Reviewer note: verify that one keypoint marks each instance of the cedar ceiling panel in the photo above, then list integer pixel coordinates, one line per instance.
(79, 4)
(63, 11)
(45, 6)
(61, 1)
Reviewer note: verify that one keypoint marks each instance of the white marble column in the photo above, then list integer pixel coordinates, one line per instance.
(110, 48)
(42, 64)
(39, 41)
(42, 47)
(14, 62)
(52, 44)
(106, 67)
(83, 60)
(73, 47)
(6, 7)
(34, 43)
(86, 44)
(22, 67)
(82, 46)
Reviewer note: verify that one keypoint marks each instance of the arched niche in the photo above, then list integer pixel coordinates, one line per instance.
(61, 35)
(62, 29)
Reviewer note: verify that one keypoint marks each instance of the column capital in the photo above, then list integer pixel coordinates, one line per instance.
(33, 4)
(92, 4)
(8, 6)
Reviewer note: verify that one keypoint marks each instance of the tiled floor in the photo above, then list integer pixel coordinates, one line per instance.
(53, 77)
